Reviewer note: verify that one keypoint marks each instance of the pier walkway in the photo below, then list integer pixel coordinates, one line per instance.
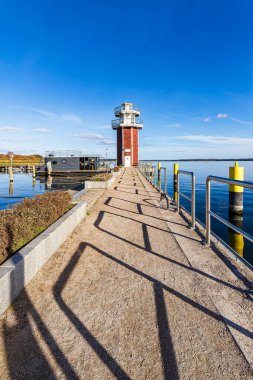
(131, 294)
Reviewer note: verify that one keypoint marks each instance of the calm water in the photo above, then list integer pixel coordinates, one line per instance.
(24, 186)
(219, 197)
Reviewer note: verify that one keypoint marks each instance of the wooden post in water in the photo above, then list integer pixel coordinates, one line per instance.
(11, 188)
(49, 182)
(11, 173)
(49, 168)
(34, 176)
(175, 182)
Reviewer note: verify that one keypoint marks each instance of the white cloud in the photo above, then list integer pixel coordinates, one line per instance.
(42, 130)
(209, 139)
(72, 118)
(226, 116)
(99, 139)
(204, 119)
(174, 125)
(240, 121)
(66, 117)
(106, 126)
(10, 129)
(222, 116)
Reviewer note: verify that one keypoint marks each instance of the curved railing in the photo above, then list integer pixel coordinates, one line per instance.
(118, 122)
(119, 109)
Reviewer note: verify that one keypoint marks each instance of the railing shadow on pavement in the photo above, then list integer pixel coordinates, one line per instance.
(98, 223)
(24, 356)
(166, 346)
(168, 355)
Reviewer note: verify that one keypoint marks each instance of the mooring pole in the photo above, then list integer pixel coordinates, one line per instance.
(236, 240)
(175, 182)
(11, 173)
(236, 192)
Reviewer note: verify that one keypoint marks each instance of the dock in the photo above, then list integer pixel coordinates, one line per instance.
(133, 293)
(72, 173)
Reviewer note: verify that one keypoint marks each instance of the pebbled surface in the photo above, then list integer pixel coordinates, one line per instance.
(131, 294)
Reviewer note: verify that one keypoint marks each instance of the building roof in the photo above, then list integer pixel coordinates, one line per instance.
(69, 153)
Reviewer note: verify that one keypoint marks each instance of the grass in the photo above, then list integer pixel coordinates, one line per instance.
(102, 177)
(26, 220)
(20, 160)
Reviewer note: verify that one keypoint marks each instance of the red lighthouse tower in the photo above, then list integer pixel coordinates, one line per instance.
(127, 126)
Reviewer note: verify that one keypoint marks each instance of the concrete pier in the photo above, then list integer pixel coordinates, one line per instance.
(131, 294)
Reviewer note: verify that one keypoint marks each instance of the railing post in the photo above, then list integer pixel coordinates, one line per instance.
(165, 181)
(193, 202)
(159, 175)
(208, 208)
(154, 176)
(175, 182)
(178, 190)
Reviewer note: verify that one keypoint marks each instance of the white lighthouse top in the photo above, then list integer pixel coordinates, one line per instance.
(128, 116)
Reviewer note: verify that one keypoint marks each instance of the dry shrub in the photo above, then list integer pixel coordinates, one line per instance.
(101, 177)
(26, 220)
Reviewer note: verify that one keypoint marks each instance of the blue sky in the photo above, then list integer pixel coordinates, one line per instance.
(64, 66)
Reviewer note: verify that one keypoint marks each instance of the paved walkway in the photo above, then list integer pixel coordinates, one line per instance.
(131, 294)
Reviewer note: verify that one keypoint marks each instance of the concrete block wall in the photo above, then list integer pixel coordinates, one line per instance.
(100, 184)
(17, 271)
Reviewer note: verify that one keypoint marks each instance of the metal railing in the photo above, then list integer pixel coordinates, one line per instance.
(149, 172)
(117, 110)
(192, 199)
(126, 122)
(164, 192)
(209, 213)
(164, 180)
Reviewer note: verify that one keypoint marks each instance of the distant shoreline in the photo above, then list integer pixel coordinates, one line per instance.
(200, 159)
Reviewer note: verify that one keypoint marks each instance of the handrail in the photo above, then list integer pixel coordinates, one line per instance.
(209, 213)
(132, 107)
(192, 199)
(126, 122)
(150, 175)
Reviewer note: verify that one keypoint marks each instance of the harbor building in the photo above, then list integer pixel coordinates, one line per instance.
(127, 126)
(70, 160)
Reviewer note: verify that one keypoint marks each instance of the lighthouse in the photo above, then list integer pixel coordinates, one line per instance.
(127, 126)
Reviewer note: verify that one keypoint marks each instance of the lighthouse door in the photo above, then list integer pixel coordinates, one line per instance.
(127, 161)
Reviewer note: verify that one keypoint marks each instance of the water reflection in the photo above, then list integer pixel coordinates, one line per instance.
(11, 189)
(62, 183)
(236, 240)
(49, 182)
(24, 186)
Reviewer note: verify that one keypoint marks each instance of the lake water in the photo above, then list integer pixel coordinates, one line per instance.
(219, 198)
(24, 186)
